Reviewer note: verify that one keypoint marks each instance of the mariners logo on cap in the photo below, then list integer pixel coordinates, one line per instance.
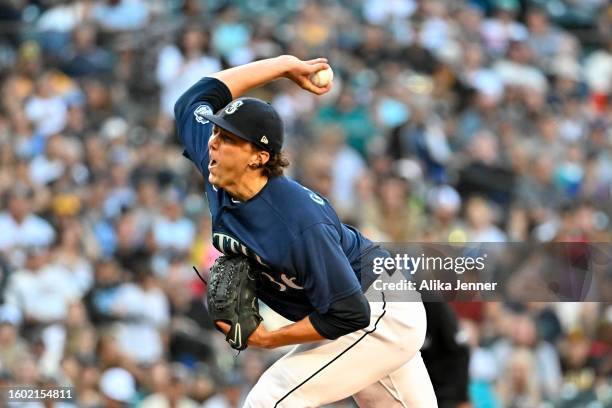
(233, 107)
(264, 139)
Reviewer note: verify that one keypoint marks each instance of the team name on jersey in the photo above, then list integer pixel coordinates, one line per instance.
(231, 246)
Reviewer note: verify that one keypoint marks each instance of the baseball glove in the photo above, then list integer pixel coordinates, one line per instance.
(231, 298)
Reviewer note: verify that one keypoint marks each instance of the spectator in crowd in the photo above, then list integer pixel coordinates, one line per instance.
(481, 226)
(171, 390)
(70, 255)
(231, 36)
(85, 57)
(173, 231)
(353, 117)
(13, 348)
(120, 15)
(101, 297)
(503, 27)
(21, 228)
(347, 167)
(118, 388)
(179, 66)
(518, 385)
(142, 311)
(46, 109)
(42, 290)
(527, 359)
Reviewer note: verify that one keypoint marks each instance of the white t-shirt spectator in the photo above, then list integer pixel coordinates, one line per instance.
(175, 75)
(380, 12)
(435, 34)
(598, 71)
(44, 294)
(521, 75)
(170, 234)
(62, 17)
(487, 82)
(291, 105)
(145, 314)
(123, 16)
(44, 171)
(498, 34)
(81, 272)
(33, 231)
(49, 115)
(347, 168)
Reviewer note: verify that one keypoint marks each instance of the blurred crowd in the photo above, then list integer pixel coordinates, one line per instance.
(449, 121)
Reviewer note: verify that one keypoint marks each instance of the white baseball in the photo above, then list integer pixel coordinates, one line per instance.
(322, 78)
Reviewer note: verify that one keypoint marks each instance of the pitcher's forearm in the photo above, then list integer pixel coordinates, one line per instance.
(296, 333)
(243, 78)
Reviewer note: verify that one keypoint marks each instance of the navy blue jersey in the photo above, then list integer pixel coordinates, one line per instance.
(309, 258)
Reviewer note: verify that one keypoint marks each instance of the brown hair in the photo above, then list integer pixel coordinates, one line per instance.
(276, 165)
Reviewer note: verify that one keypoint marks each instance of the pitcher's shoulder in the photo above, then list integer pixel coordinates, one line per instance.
(298, 204)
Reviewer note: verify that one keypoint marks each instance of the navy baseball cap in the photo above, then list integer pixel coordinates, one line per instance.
(253, 120)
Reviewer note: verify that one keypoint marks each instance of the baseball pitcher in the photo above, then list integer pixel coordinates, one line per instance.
(285, 245)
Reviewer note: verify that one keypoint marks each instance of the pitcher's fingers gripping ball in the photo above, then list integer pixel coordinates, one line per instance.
(322, 78)
(232, 300)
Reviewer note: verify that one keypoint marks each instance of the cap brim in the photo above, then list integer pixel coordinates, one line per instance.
(225, 125)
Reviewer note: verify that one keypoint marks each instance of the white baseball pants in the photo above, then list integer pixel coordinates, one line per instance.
(379, 366)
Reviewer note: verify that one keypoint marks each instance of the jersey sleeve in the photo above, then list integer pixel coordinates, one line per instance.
(208, 95)
(343, 317)
(318, 261)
